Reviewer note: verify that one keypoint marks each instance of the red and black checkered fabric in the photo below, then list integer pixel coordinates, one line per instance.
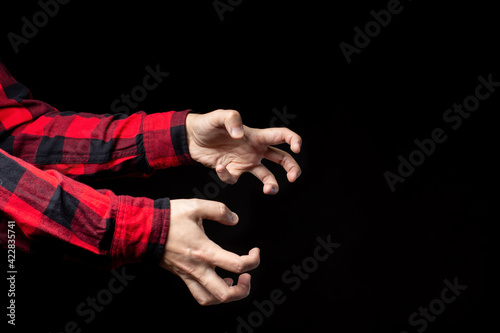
(43, 150)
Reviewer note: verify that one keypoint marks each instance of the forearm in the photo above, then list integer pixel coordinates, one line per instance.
(50, 208)
(85, 143)
(131, 146)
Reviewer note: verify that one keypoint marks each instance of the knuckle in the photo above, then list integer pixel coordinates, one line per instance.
(196, 203)
(223, 297)
(286, 157)
(200, 255)
(192, 206)
(187, 269)
(222, 209)
(269, 179)
(204, 301)
(239, 267)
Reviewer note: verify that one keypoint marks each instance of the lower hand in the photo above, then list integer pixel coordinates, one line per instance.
(191, 255)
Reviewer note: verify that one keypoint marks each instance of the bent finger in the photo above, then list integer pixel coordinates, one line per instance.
(267, 178)
(228, 281)
(216, 211)
(200, 293)
(278, 135)
(284, 159)
(218, 287)
(225, 175)
(233, 262)
(231, 120)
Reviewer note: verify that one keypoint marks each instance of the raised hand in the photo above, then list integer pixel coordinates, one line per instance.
(219, 140)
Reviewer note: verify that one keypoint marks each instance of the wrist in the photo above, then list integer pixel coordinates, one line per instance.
(188, 126)
(164, 137)
(191, 119)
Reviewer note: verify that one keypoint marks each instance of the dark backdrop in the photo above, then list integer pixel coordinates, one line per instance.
(274, 57)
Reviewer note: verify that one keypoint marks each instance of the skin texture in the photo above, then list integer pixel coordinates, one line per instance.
(220, 141)
(193, 257)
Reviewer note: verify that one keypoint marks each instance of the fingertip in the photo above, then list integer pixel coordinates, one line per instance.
(255, 252)
(234, 218)
(245, 279)
(228, 281)
(270, 189)
(297, 145)
(231, 217)
(237, 132)
(296, 148)
(234, 124)
(254, 257)
(292, 177)
(225, 175)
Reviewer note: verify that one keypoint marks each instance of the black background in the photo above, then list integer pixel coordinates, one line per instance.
(355, 119)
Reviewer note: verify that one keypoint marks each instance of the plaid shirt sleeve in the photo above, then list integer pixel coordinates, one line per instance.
(42, 150)
(55, 214)
(78, 144)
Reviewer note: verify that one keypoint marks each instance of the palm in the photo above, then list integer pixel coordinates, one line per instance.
(217, 147)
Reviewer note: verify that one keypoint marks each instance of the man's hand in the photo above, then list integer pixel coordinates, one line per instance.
(219, 140)
(193, 257)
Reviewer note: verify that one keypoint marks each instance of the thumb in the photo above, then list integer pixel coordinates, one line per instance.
(233, 123)
(215, 211)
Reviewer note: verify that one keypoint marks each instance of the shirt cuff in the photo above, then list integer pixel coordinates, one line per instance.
(165, 141)
(141, 230)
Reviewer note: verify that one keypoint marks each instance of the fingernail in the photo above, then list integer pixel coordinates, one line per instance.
(237, 131)
(234, 217)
